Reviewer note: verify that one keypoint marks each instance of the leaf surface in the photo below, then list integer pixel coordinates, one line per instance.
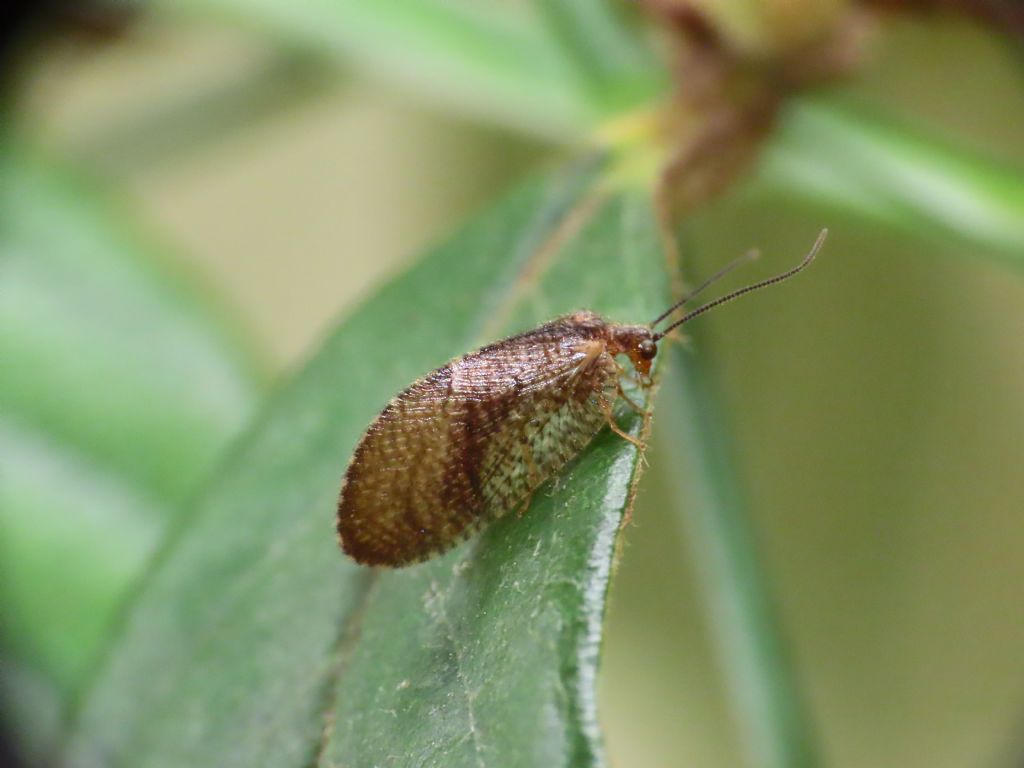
(256, 642)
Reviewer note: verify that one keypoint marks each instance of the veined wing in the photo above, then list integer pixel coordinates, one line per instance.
(469, 441)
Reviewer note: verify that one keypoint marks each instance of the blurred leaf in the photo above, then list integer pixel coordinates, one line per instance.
(31, 709)
(842, 159)
(765, 695)
(614, 62)
(583, 66)
(488, 57)
(210, 112)
(119, 389)
(256, 642)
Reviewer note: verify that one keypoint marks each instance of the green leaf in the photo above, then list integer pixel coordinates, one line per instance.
(489, 58)
(120, 387)
(612, 60)
(857, 164)
(255, 642)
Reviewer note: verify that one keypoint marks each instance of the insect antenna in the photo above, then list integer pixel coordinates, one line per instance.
(750, 255)
(755, 287)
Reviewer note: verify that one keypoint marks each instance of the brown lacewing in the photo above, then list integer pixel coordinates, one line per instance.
(473, 439)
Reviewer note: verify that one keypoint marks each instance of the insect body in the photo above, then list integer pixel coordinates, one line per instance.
(473, 439)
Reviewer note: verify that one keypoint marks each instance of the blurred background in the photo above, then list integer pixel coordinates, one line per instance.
(190, 202)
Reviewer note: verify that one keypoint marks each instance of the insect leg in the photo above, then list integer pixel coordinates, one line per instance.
(531, 466)
(631, 375)
(606, 406)
(532, 472)
(629, 401)
(525, 505)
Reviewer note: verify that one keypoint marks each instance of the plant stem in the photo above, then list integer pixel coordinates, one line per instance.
(762, 684)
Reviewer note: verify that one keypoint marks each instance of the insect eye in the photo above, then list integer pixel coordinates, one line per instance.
(648, 349)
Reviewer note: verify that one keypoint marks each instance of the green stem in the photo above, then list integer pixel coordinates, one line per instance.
(762, 684)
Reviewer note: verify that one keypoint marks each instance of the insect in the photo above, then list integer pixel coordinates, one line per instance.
(475, 438)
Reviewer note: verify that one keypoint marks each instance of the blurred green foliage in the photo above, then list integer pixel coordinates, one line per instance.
(122, 389)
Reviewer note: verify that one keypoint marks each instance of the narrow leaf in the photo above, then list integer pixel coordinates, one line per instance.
(256, 642)
(608, 54)
(487, 58)
(862, 165)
